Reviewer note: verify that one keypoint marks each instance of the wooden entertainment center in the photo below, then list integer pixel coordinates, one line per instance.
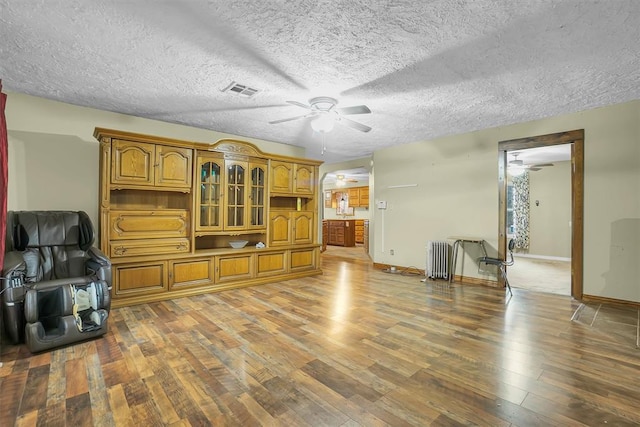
(169, 208)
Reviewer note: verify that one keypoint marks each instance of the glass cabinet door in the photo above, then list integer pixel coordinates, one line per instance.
(236, 196)
(209, 197)
(258, 196)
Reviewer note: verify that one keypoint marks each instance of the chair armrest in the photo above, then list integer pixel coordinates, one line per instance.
(99, 264)
(13, 274)
(13, 264)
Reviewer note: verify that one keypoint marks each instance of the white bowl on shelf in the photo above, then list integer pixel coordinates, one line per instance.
(238, 244)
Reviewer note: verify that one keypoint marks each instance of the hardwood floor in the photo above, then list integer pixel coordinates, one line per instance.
(354, 346)
(541, 275)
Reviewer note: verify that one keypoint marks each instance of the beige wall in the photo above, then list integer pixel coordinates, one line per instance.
(550, 218)
(53, 156)
(452, 189)
(447, 186)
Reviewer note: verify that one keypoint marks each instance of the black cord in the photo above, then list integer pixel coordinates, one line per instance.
(407, 271)
(412, 271)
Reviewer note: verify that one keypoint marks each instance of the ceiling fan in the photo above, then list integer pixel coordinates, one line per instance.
(324, 109)
(345, 179)
(518, 165)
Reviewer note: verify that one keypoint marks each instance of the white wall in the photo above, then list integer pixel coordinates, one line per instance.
(53, 156)
(550, 218)
(456, 193)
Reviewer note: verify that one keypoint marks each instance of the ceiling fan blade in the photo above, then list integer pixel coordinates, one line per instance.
(356, 109)
(534, 169)
(299, 104)
(539, 165)
(354, 125)
(288, 119)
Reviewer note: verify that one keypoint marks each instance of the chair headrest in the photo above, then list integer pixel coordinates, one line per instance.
(32, 229)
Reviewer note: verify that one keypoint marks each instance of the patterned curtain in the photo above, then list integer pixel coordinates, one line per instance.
(521, 210)
(4, 173)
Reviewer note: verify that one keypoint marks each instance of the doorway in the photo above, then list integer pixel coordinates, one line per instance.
(539, 218)
(575, 139)
(345, 210)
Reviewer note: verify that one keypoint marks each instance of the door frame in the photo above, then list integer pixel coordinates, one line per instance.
(576, 139)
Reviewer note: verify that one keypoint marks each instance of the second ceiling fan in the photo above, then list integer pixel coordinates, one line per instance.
(517, 164)
(324, 109)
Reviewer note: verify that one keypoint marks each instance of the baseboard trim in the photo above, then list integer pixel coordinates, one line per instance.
(465, 280)
(399, 268)
(606, 300)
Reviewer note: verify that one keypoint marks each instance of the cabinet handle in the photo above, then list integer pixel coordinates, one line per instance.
(120, 250)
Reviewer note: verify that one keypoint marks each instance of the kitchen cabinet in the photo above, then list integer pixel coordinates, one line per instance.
(341, 232)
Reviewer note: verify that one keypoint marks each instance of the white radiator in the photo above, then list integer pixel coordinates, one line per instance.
(438, 259)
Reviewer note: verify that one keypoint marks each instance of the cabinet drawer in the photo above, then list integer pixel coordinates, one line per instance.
(123, 248)
(303, 259)
(192, 272)
(132, 224)
(271, 263)
(140, 278)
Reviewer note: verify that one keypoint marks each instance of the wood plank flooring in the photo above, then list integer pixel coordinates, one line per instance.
(353, 347)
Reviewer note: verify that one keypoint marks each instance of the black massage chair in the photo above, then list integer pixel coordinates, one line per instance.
(56, 285)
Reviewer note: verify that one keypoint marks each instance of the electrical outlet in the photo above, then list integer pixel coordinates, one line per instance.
(391, 251)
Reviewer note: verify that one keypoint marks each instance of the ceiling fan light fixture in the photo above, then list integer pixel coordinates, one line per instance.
(324, 123)
(323, 103)
(516, 170)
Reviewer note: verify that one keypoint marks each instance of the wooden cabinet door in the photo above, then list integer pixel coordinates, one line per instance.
(303, 259)
(257, 196)
(271, 263)
(233, 267)
(303, 229)
(354, 197)
(281, 177)
(336, 233)
(325, 235)
(364, 197)
(209, 196)
(140, 278)
(280, 230)
(173, 167)
(304, 179)
(235, 195)
(190, 272)
(359, 231)
(132, 163)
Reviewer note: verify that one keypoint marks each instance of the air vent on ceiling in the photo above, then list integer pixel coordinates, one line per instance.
(241, 90)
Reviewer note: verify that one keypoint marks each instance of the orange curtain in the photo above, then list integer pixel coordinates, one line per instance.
(4, 173)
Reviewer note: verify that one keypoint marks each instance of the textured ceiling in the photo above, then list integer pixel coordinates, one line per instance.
(425, 68)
